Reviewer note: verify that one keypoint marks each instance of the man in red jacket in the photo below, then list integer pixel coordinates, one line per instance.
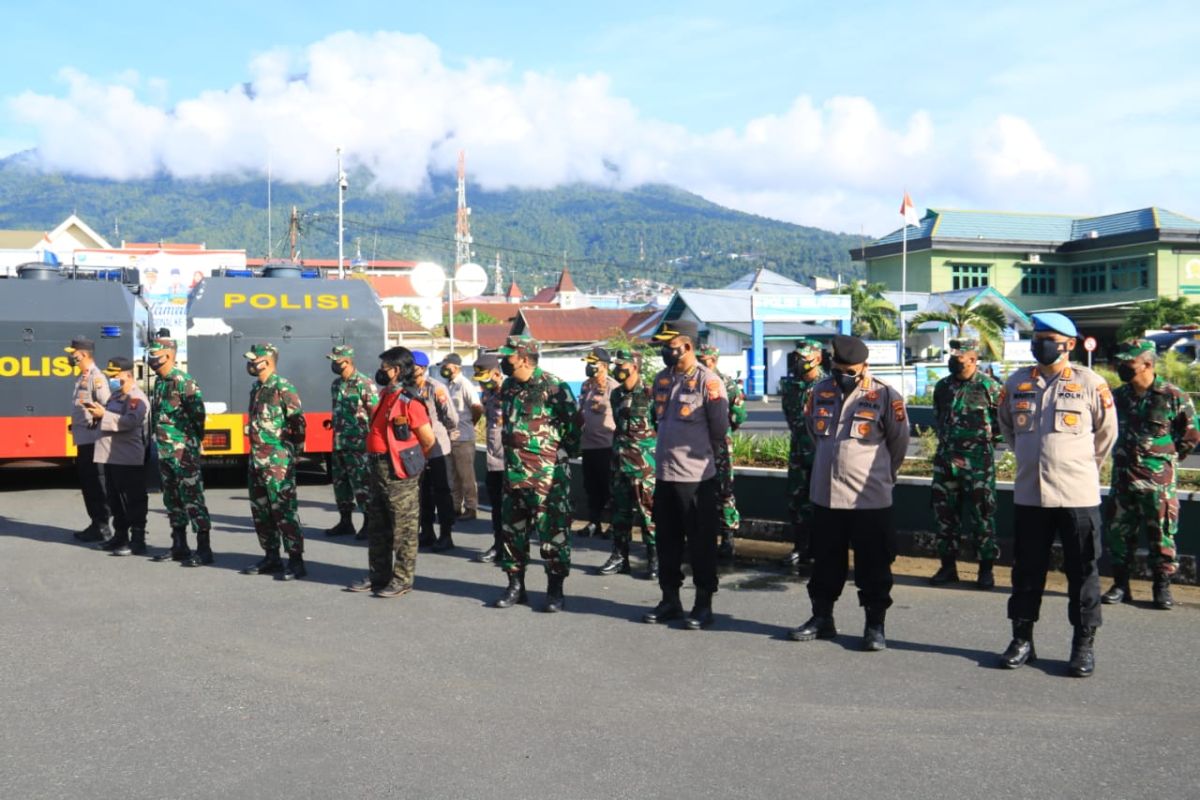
(399, 438)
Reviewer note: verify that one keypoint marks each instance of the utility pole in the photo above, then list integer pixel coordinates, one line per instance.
(499, 290)
(294, 230)
(462, 236)
(342, 186)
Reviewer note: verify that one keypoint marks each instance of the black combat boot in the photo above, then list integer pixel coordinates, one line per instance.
(444, 542)
(426, 539)
(948, 573)
(668, 608)
(96, 532)
(1083, 653)
(179, 549)
(295, 568)
(1119, 591)
(269, 564)
(819, 626)
(555, 601)
(651, 562)
(362, 531)
(987, 578)
(515, 593)
(345, 526)
(1162, 591)
(203, 554)
(701, 615)
(117, 544)
(873, 639)
(487, 556)
(137, 543)
(618, 561)
(1020, 649)
(725, 548)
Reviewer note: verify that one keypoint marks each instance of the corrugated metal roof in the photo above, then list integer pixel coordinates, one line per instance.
(398, 323)
(20, 240)
(1172, 220)
(765, 280)
(717, 305)
(557, 325)
(1141, 219)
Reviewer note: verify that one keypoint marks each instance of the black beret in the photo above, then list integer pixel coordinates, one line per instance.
(487, 362)
(453, 358)
(849, 350)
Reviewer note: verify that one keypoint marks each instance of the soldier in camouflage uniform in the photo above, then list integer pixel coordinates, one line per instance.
(354, 398)
(634, 442)
(177, 409)
(540, 434)
(276, 432)
(965, 416)
(731, 520)
(1157, 427)
(804, 372)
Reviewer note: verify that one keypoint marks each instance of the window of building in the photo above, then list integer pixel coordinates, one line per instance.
(1128, 276)
(969, 276)
(1089, 279)
(1039, 280)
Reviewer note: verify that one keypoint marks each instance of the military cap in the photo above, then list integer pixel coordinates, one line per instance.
(453, 358)
(709, 350)
(118, 364)
(1133, 348)
(598, 356)
(849, 350)
(679, 327)
(261, 350)
(1054, 322)
(521, 346)
(486, 363)
(162, 343)
(807, 348)
(420, 358)
(81, 343)
(340, 352)
(964, 345)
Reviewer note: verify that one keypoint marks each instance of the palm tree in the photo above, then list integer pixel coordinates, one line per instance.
(871, 315)
(1154, 314)
(987, 320)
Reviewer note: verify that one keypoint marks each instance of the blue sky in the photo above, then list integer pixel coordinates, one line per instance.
(797, 110)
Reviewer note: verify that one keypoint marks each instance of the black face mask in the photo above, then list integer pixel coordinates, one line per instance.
(956, 365)
(382, 378)
(846, 381)
(155, 363)
(446, 373)
(805, 367)
(336, 368)
(1045, 351)
(485, 381)
(590, 370)
(671, 356)
(507, 368)
(1126, 372)
(622, 374)
(252, 368)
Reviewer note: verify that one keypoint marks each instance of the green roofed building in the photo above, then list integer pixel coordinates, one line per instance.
(1090, 268)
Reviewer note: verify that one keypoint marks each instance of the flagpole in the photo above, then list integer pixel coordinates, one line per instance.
(904, 302)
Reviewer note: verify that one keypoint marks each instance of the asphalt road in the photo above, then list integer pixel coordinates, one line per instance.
(127, 679)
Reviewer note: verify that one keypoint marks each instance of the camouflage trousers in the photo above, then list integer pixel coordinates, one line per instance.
(731, 520)
(632, 504)
(393, 523)
(964, 501)
(1129, 511)
(183, 489)
(351, 480)
(544, 509)
(800, 507)
(274, 506)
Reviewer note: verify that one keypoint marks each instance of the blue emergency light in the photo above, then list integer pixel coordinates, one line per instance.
(110, 331)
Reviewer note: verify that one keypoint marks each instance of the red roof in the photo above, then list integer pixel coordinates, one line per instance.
(331, 263)
(565, 284)
(398, 323)
(514, 291)
(559, 325)
(491, 336)
(391, 285)
(546, 295)
(505, 312)
(161, 246)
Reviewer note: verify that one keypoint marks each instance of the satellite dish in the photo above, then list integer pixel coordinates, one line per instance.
(428, 279)
(470, 280)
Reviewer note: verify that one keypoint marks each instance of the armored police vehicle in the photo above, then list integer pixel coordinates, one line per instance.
(301, 312)
(43, 307)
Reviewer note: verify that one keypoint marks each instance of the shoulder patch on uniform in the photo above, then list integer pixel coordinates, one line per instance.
(827, 394)
(1105, 395)
(133, 404)
(898, 410)
(97, 382)
(714, 388)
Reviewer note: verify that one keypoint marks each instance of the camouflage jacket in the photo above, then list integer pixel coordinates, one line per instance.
(178, 413)
(1154, 430)
(795, 393)
(354, 399)
(966, 413)
(634, 439)
(539, 420)
(737, 401)
(277, 424)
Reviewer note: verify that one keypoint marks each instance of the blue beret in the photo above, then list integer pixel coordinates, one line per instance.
(1053, 321)
(420, 358)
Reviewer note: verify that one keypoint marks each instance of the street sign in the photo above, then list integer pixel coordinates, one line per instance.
(799, 307)
(1089, 344)
(908, 307)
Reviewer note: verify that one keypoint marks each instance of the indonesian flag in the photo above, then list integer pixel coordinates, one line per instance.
(909, 211)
